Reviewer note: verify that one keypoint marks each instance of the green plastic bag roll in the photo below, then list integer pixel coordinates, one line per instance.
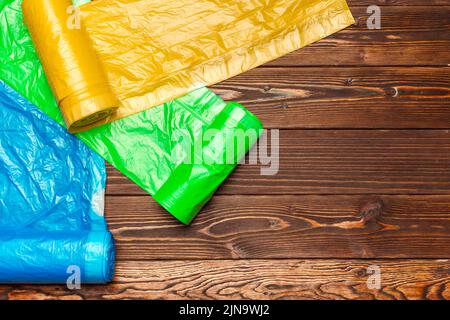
(149, 147)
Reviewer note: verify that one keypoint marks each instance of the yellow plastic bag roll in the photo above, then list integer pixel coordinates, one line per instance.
(70, 62)
(154, 51)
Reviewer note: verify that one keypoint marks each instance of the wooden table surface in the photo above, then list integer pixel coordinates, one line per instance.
(364, 180)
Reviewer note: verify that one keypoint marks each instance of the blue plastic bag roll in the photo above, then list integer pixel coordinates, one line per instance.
(51, 200)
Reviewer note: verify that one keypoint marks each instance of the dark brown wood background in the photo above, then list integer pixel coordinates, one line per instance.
(364, 180)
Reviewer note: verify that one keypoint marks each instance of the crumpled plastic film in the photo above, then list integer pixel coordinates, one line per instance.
(51, 200)
(143, 145)
(154, 51)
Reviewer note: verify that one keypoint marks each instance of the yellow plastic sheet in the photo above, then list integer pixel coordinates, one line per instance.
(137, 54)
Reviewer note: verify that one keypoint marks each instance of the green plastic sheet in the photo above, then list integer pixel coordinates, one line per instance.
(146, 147)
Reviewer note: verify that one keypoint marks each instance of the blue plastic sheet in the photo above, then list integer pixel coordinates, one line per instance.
(51, 200)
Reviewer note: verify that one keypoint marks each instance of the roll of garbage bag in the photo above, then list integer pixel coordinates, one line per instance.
(37, 256)
(154, 51)
(70, 62)
(51, 200)
(143, 146)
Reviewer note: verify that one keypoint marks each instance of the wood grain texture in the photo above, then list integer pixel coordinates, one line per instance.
(341, 162)
(324, 98)
(408, 36)
(260, 279)
(280, 227)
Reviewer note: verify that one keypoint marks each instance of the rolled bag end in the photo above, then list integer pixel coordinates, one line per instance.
(99, 258)
(191, 186)
(83, 109)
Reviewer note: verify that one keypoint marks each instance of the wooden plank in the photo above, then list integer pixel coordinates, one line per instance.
(341, 162)
(250, 227)
(260, 279)
(372, 97)
(408, 36)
